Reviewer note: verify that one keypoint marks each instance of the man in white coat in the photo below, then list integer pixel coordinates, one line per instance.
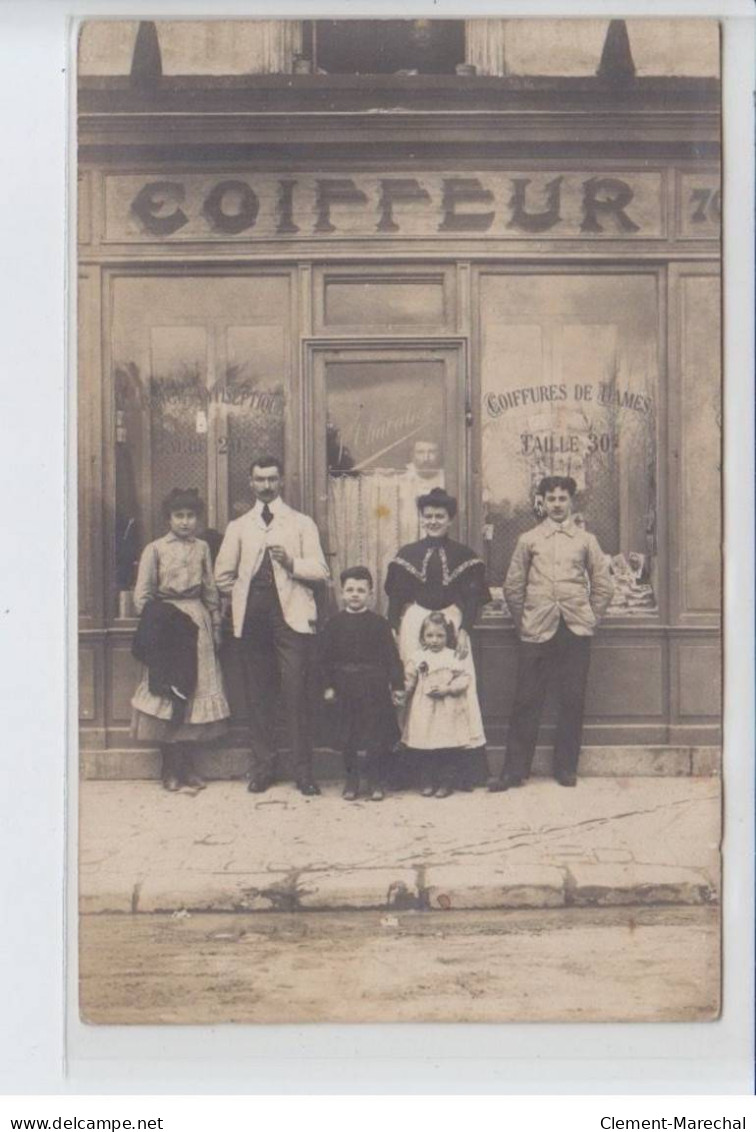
(269, 561)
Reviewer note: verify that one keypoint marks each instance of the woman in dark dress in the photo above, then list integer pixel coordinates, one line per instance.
(435, 573)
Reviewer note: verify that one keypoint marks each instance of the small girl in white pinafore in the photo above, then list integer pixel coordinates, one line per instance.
(443, 721)
(177, 569)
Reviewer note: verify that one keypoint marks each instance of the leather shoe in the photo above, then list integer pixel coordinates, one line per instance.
(444, 792)
(308, 789)
(428, 791)
(566, 779)
(377, 794)
(171, 783)
(351, 787)
(258, 784)
(502, 783)
(195, 782)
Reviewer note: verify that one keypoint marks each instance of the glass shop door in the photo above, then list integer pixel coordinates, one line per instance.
(389, 425)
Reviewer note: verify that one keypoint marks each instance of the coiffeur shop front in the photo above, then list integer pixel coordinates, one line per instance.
(401, 280)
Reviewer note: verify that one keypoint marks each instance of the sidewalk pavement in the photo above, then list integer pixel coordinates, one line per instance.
(609, 841)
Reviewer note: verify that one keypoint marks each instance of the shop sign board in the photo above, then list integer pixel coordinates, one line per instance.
(508, 205)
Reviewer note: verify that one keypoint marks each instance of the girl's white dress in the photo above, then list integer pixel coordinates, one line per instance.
(451, 721)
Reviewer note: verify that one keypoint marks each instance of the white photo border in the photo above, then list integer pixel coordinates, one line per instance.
(49, 1049)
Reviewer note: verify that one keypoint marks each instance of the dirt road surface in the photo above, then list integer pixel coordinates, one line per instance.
(610, 964)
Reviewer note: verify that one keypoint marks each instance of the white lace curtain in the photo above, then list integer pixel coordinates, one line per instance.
(369, 517)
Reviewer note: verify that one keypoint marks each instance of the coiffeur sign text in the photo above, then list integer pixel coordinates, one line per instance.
(512, 205)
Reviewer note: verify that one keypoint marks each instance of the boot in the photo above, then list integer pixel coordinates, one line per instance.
(351, 787)
(169, 768)
(190, 776)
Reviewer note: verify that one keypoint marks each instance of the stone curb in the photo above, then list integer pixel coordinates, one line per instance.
(601, 885)
(447, 888)
(453, 887)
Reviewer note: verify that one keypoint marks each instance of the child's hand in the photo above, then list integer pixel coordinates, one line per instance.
(463, 644)
(329, 694)
(398, 698)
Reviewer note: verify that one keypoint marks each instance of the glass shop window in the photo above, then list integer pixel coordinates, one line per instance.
(198, 371)
(379, 47)
(570, 387)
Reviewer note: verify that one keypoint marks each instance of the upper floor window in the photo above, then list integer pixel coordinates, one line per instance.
(385, 47)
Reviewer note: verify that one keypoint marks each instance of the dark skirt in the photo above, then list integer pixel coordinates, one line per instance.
(363, 716)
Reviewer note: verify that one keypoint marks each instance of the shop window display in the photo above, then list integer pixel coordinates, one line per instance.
(195, 398)
(570, 387)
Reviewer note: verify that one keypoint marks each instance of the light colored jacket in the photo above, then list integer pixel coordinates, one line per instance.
(241, 555)
(557, 570)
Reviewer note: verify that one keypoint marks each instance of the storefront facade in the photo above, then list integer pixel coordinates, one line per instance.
(396, 281)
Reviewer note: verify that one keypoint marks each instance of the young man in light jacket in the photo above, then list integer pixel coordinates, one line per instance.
(557, 588)
(269, 561)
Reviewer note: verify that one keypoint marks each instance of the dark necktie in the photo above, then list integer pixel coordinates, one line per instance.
(267, 515)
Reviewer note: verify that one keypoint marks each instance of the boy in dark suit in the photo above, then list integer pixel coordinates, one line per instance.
(360, 667)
